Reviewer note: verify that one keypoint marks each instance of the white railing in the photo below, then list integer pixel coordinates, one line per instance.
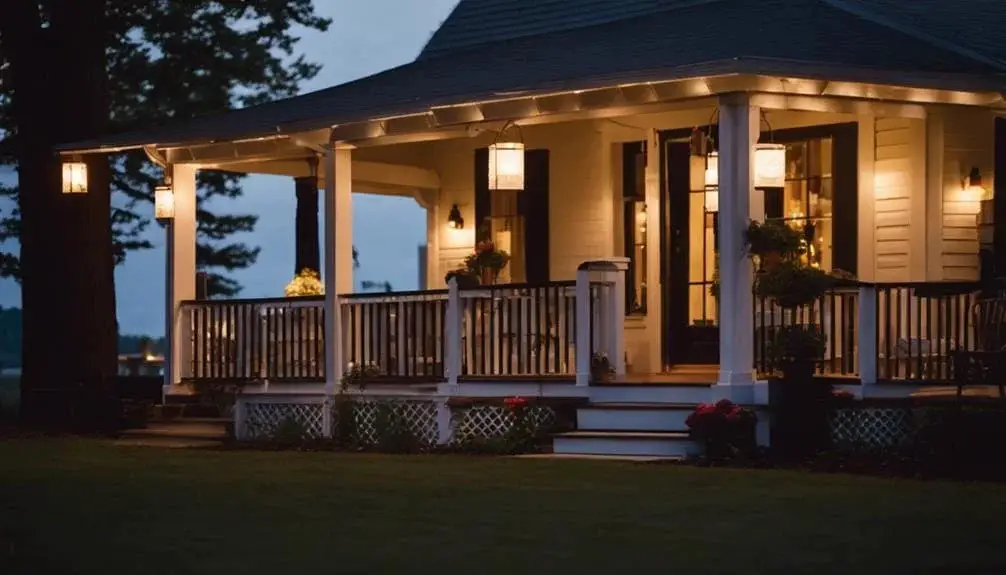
(488, 332)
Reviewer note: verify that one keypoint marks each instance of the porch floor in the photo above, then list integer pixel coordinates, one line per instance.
(697, 375)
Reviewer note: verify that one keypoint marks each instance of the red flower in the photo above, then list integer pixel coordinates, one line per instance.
(725, 406)
(515, 402)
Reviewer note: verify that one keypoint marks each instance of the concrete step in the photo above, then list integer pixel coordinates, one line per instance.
(633, 417)
(183, 429)
(626, 444)
(651, 393)
(168, 442)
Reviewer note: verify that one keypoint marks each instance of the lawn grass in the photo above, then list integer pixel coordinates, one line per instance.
(80, 506)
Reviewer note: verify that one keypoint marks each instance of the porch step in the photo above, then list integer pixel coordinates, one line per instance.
(633, 416)
(651, 393)
(626, 444)
(194, 432)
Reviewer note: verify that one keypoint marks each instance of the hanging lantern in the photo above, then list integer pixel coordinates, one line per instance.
(164, 203)
(74, 177)
(712, 191)
(506, 166)
(506, 162)
(770, 166)
(454, 219)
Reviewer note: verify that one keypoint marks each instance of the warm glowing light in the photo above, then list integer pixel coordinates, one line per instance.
(713, 170)
(770, 166)
(74, 178)
(506, 166)
(974, 191)
(454, 219)
(164, 203)
(712, 200)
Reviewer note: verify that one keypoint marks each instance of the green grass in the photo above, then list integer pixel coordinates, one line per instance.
(75, 506)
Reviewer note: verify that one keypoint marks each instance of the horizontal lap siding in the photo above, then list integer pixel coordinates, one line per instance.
(894, 174)
(968, 141)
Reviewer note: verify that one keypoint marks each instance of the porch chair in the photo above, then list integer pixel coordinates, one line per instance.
(986, 364)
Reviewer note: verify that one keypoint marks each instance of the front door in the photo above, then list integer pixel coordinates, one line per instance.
(688, 252)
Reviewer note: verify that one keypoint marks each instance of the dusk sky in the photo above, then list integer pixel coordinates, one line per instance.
(366, 36)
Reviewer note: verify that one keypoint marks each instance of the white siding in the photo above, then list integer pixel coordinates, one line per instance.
(896, 173)
(968, 139)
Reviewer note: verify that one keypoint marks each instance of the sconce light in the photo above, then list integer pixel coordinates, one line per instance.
(973, 190)
(454, 219)
(164, 203)
(74, 177)
(506, 161)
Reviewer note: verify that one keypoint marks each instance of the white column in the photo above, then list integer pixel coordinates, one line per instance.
(452, 331)
(180, 282)
(338, 254)
(867, 344)
(738, 134)
(583, 332)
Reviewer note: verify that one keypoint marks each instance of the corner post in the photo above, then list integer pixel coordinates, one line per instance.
(583, 335)
(338, 258)
(867, 337)
(739, 121)
(180, 275)
(452, 332)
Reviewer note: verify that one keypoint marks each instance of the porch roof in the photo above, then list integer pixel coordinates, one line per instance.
(688, 40)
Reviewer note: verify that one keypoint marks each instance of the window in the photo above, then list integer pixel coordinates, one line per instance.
(702, 245)
(506, 229)
(806, 203)
(634, 218)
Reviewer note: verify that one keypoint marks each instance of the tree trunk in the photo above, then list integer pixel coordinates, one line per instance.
(68, 293)
(308, 255)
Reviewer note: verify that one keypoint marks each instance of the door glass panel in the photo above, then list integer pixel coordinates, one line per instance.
(701, 248)
(506, 230)
(806, 203)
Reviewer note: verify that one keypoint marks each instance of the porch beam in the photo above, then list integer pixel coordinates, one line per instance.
(259, 149)
(835, 105)
(398, 175)
(739, 131)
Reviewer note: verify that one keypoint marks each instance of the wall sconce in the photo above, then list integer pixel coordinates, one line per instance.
(506, 161)
(74, 177)
(973, 189)
(164, 203)
(454, 219)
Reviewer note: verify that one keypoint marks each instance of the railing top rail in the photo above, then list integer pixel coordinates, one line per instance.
(258, 301)
(393, 294)
(516, 286)
(403, 297)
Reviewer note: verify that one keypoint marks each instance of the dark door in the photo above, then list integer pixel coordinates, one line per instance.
(691, 335)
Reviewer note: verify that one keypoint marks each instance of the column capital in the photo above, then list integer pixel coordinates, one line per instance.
(735, 99)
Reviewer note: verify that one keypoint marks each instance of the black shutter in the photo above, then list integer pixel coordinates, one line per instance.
(999, 198)
(845, 174)
(483, 202)
(535, 210)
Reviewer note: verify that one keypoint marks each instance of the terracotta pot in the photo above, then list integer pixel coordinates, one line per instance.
(489, 276)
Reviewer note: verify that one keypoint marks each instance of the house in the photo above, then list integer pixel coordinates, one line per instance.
(872, 125)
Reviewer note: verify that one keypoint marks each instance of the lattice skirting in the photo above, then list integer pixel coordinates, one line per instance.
(261, 420)
(872, 426)
(493, 421)
(423, 418)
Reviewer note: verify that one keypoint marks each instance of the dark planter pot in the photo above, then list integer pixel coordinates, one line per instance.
(801, 407)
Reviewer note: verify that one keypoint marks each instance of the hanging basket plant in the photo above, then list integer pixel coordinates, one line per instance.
(792, 284)
(773, 242)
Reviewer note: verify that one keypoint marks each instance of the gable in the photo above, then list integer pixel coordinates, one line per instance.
(475, 22)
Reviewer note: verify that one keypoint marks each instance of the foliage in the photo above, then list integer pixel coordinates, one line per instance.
(178, 60)
(792, 284)
(773, 236)
(306, 283)
(218, 397)
(465, 277)
(384, 286)
(290, 432)
(793, 343)
(359, 374)
(394, 435)
(601, 368)
(725, 428)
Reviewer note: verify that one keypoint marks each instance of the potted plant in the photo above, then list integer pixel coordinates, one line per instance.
(487, 261)
(464, 276)
(601, 370)
(772, 242)
(724, 428)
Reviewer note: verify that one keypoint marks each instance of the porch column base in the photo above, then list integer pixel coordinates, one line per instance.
(738, 387)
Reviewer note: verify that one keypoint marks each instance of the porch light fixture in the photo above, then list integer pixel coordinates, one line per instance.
(164, 203)
(74, 177)
(454, 219)
(506, 162)
(974, 191)
(770, 162)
